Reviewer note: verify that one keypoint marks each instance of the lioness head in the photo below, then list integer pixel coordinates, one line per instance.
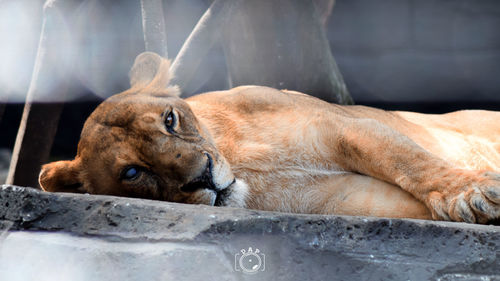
(147, 143)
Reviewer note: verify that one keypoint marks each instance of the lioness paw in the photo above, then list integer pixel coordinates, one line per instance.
(475, 200)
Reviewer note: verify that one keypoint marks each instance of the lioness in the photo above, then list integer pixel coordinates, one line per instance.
(262, 148)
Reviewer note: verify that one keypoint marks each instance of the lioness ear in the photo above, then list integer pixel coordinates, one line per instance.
(152, 72)
(61, 176)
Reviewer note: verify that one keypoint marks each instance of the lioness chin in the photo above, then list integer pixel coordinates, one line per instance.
(262, 148)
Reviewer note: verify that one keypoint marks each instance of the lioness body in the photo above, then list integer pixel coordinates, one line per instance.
(262, 148)
(283, 145)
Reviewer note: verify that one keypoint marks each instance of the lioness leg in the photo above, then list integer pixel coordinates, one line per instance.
(359, 195)
(372, 148)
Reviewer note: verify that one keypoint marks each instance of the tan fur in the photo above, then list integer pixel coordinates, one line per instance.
(266, 149)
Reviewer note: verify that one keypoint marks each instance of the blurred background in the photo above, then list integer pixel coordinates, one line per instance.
(430, 56)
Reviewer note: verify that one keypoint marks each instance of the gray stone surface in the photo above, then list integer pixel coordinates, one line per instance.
(109, 238)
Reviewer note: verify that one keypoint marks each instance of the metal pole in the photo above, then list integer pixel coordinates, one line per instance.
(39, 122)
(206, 32)
(153, 26)
(282, 44)
(324, 8)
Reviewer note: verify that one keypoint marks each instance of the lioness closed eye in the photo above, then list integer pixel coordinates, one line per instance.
(262, 148)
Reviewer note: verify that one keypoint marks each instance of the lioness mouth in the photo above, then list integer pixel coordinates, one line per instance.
(222, 195)
(205, 181)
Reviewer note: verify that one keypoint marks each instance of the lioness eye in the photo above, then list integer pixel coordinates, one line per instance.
(170, 121)
(130, 173)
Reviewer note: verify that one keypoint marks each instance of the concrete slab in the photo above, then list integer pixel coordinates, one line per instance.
(48, 236)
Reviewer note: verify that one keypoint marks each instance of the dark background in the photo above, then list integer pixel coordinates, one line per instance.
(422, 55)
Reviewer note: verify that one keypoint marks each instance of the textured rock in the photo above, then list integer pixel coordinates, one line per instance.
(111, 238)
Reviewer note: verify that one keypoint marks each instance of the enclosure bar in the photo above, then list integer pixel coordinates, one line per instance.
(153, 26)
(48, 84)
(206, 32)
(282, 44)
(336, 81)
(324, 8)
